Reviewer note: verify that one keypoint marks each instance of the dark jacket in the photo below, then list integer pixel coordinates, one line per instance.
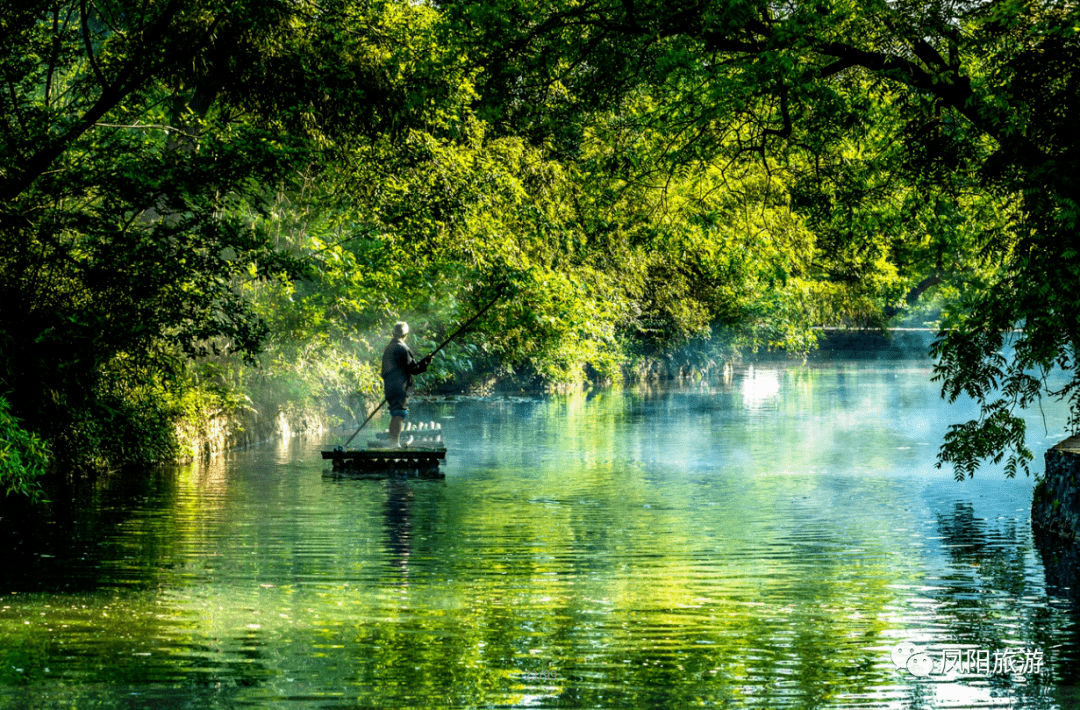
(398, 367)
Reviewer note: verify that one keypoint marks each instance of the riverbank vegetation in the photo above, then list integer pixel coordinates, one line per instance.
(213, 205)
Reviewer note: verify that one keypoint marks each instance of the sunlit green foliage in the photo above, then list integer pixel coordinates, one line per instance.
(23, 456)
(924, 145)
(140, 143)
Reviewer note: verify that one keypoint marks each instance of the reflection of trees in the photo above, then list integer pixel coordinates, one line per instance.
(985, 578)
(77, 542)
(83, 580)
(1061, 562)
(984, 597)
(602, 589)
(996, 555)
(617, 615)
(397, 523)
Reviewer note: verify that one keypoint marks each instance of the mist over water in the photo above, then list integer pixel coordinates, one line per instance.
(765, 542)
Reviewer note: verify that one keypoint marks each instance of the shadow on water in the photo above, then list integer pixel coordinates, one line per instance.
(111, 533)
(87, 569)
(1061, 562)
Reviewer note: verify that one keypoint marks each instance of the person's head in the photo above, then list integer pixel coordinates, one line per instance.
(401, 329)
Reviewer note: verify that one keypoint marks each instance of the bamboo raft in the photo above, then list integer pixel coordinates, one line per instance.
(420, 456)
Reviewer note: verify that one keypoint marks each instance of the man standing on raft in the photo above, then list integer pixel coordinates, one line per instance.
(398, 367)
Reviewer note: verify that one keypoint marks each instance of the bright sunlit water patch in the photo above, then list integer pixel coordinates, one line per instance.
(760, 387)
(766, 543)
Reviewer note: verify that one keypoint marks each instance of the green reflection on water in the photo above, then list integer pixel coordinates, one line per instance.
(761, 543)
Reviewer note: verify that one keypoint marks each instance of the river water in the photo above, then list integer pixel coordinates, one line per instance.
(781, 540)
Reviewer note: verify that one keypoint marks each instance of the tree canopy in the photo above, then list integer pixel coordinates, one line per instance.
(957, 118)
(189, 187)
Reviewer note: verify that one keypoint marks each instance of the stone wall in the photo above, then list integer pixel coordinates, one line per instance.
(247, 427)
(1055, 505)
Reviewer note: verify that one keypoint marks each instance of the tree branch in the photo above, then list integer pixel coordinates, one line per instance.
(929, 56)
(148, 126)
(785, 115)
(952, 89)
(920, 288)
(130, 78)
(54, 53)
(84, 21)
